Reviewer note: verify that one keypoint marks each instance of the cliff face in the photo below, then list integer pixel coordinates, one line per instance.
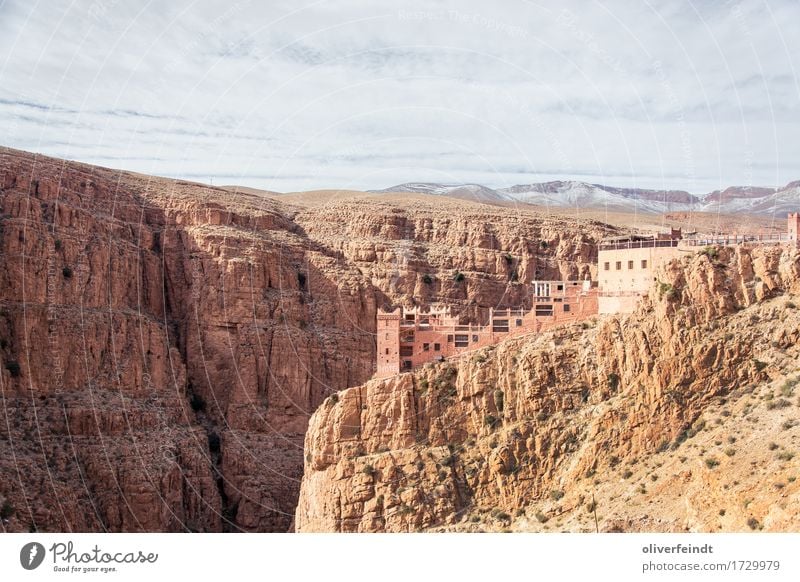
(164, 343)
(411, 250)
(632, 420)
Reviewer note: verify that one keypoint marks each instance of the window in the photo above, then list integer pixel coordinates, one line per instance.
(425, 347)
(474, 338)
(436, 347)
(559, 287)
(544, 310)
(630, 264)
(406, 351)
(500, 325)
(450, 338)
(619, 265)
(566, 308)
(387, 351)
(387, 336)
(519, 323)
(644, 263)
(406, 364)
(462, 340)
(606, 266)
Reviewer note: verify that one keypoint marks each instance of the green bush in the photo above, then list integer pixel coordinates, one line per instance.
(710, 252)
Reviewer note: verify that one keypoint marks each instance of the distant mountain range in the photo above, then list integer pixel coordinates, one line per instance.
(747, 199)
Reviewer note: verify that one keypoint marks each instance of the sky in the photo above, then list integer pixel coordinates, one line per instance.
(359, 94)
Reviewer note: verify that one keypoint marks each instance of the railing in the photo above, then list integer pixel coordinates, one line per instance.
(638, 244)
(735, 239)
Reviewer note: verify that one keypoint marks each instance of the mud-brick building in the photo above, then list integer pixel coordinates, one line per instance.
(407, 338)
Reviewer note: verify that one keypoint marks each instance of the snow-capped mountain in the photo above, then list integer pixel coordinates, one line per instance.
(584, 195)
(474, 192)
(571, 193)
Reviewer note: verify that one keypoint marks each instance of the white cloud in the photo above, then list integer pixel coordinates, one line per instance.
(358, 94)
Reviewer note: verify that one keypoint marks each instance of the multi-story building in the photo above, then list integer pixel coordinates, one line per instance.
(407, 338)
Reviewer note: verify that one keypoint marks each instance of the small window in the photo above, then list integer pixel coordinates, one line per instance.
(566, 307)
(387, 351)
(606, 266)
(474, 338)
(559, 287)
(630, 264)
(426, 347)
(619, 265)
(406, 351)
(519, 323)
(406, 364)
(450, 338)
(437, 347)
(387, 336)
(644, 263)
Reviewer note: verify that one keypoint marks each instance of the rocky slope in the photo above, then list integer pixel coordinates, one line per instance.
(681, 416)
(163, 343)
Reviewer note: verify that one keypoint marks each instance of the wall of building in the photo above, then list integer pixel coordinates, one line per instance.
(408, 338)
(627, 273)
(794, 226)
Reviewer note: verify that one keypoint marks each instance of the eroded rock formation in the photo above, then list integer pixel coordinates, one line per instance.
(163, 343)
(547, 431)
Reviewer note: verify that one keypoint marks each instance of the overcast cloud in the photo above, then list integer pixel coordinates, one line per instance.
(354, 94)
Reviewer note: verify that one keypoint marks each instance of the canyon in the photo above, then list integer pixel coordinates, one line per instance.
(679, 417)
(164, 343)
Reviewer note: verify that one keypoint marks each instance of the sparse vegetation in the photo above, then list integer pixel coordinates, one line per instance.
(711, 252)
(368, 470)
(427, 279)
(458, 277)
(627, 473)
(540, 517)
(711, 462)
(759, 365)
(556, 494)
(785, 456)
(753, 523)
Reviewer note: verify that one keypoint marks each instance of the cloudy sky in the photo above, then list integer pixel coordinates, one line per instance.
(360, 94)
